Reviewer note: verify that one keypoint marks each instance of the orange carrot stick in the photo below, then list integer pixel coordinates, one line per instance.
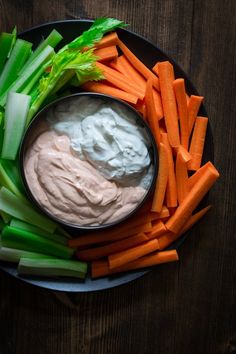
(108, 40)
(114, 247)
(180, 94)
(195, 177)
(100, 268)
(197, 143)
(151, 111)
(181, 178)
(184, 153)
(171, 189)
(106, 54)
(157, 230)
(166, 73)
(168, 238)
(162, 179)
(109, 90)
(130, 72)
(193, 108)
(120, 258)
(120, 81)
(139, 66)
(185, 209)
(115, 234)
(158, 104)
(155, 69)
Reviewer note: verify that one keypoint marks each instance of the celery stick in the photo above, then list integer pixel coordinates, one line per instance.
(11, 169)
(14, 255)
(6, 218)
(63, 232)
(53, 39)
(7, 182)
(36, 242)
(31, 228)
(5, 47)
(33, 80)
(17, 108)
(28, 73)
(2, 224)
(1, 129)
(52, 267)
(14, 206)
(18, 57)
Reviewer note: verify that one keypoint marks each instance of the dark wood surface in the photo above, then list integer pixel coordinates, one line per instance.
(189, 307)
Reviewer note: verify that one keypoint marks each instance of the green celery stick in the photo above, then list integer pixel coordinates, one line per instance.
(14, 255)
(6, 218)
(2, 224)
(63, 232)
(12, 205)
(17, 108)
(34, 79)
(1, 129)
(6, 181)
(52, 267)
(18, 57)
(31, 228)
(5, 47)
(35, 242)
(53, 39)
(28, 73)
(11, 169)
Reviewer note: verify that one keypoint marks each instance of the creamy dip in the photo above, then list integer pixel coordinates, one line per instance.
(72, 189)
(89, 164)
(105, 135)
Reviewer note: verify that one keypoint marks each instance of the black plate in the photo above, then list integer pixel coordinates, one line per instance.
(149, 54)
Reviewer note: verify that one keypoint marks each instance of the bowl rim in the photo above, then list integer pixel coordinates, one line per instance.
(23, 147)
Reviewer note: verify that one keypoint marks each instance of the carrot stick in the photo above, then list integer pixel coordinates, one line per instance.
(162, 179)
(120, 258)
(109, 235)
(168, 238)
(180, 94)
(185, 209)
(197, 143)
(106, 54)
(166, 74)
(193, 108)
(151, 111)
(109, 90)
(108, 40)
(155, 68)
(195, 177)
(164, 213)
(120, 81)
(157, 230)
(158, 104)
(139, 66)
(171, 189)
(100, 268)
(181, 178)
(130, 72)
(114, 247)
(184, 153)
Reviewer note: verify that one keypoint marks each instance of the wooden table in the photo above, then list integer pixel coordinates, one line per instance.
(184, 308)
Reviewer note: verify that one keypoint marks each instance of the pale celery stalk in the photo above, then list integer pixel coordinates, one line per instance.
(52, 267)
(12, 205)
(28, 73)
(52, 40)
(18, 57)
(37, 230)
(14, 255)
(17, 108)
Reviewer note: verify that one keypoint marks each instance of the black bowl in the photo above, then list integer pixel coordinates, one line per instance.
(33, 131)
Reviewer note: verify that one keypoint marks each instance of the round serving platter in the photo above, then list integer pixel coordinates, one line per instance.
(149, 54)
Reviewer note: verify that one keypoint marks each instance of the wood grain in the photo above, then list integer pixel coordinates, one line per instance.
(184, 308)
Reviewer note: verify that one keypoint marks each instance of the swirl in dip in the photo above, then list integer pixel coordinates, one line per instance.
(89, 163)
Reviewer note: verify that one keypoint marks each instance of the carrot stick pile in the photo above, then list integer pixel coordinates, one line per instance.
(182, 180)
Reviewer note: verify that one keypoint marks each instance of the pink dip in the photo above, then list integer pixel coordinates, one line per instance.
(71, 189)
